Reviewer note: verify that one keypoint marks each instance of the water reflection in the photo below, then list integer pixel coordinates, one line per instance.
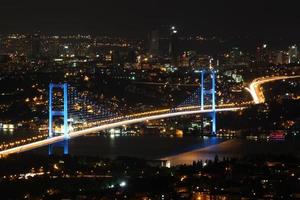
(147, 146)
(7, 132)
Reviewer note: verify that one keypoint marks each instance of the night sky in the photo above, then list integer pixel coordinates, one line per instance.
(136, 17)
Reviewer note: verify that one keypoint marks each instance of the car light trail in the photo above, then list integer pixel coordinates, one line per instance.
(255, 87)
(109, 125)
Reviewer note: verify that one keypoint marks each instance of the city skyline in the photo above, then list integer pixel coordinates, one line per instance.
(149, 100)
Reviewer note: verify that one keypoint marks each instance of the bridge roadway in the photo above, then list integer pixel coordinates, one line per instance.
(113, 123)
(255, 86)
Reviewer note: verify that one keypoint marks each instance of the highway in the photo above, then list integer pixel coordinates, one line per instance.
(127, 120)
(254, 89)
(255, 86)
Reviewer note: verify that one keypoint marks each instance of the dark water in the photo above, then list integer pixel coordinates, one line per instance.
(177, 150)
(238, 148)
(6, 135)
(148, 147)
(13, 134)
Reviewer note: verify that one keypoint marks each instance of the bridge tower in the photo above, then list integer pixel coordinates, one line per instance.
(59, 113)
(208, 96)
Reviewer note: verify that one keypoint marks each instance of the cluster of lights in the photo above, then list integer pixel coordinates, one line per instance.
(105, 121)
(83, 109)
(144, 114)
(4, 145)
(92, 115)
(255, 90)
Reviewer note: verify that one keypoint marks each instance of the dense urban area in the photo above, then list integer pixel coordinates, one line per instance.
(252, 177)
(139, 75)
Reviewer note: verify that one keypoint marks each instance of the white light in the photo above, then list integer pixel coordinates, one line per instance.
(123, 184)
(112, 135)
(112, 130)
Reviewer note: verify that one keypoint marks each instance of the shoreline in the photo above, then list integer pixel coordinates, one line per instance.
(235, 148)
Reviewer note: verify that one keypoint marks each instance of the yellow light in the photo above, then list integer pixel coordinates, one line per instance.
(55, 166)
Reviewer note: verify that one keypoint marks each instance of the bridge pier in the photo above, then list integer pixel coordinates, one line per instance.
(59, 113)
(211, 93)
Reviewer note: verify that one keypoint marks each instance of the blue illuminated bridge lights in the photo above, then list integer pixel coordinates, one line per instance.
(78, 107)
(59, 113)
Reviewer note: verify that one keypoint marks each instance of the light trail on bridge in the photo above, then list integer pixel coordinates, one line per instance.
(96, 126)
(122, 121)
(255, 86)
(85, 125)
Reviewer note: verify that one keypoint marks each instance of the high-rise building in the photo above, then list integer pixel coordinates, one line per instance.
(116, 58)
(173, 46)
(131, 56)
(293, 54)
(35, 45)
(188, 59)
(263, 54)
(277, 57)
(235, 56)
(154, 43)
(280, 57)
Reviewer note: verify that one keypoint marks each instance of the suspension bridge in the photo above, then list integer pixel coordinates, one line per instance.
(73, 114)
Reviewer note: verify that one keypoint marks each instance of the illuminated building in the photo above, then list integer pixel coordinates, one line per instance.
(173, 46)
(280, 57)
(235, 56)
(263, 54)
(154, 43)
(293, 54)
(36, 46)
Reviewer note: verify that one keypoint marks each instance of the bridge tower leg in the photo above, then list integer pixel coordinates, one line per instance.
(60, 113)
(210, 93)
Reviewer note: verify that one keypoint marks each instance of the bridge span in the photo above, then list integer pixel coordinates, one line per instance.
(113, 123)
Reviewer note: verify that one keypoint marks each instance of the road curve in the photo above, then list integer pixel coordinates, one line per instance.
(255, 86)
(74, 134)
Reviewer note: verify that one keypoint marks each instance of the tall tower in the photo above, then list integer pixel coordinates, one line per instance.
(59, 113)
(293, 54)
(263, 54)
(208, 96)
(35, 46)
(173, 46)
(154, 43)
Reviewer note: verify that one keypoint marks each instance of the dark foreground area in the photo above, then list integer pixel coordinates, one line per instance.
(57, 177)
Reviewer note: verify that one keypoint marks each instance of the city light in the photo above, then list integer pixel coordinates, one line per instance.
(255, 87)
(149, 100)
(123, 184)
